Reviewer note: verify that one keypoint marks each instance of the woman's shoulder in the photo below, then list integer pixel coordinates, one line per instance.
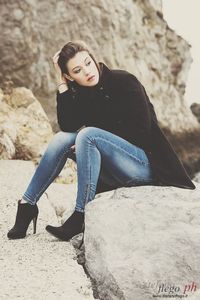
(125, 78)
(119, 74)
(119, 78)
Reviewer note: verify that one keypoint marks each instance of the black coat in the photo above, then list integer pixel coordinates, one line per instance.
(119, 104)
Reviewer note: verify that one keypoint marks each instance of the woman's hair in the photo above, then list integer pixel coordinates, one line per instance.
(69, 51)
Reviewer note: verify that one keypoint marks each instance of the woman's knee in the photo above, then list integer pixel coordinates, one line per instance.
(86, 133)
(63, 139)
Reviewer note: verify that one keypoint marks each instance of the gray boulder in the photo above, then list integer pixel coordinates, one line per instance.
(144, 241)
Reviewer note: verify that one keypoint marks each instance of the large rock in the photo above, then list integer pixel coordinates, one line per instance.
(25, 130)
(144, 241)
(39, 266)
(24, 127)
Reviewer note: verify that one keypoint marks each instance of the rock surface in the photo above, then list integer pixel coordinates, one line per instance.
(137, 239)
(136, 38)
(195, 107)
(24, 127)
(197, 177)
(25, 130)
(39, 266)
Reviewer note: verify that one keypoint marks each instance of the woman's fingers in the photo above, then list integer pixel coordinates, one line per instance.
(59, 75)
(73, 148)
(55, 57)
(56, 66)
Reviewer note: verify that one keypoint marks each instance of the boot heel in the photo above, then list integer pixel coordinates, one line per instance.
(83, 228)
(83, 231)
(25, 214)
(34, 224)
(81, 243)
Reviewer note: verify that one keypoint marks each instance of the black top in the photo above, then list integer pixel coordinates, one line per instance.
(119, 104)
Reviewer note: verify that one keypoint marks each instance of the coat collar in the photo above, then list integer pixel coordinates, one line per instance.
(105, 74)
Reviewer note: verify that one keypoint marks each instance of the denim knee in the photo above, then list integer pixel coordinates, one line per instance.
(62, 138)
(85, 133)
(65, 136)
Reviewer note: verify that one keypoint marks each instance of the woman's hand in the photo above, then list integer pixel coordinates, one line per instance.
(73, 148)
(61, 80)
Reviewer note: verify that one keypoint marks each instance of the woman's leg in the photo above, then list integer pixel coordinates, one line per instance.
(48, 169)
(50, 165)
(127, 164)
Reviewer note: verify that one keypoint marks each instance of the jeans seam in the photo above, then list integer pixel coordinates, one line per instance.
(50, 178)
(87, 191)
(127, 153)
(121, 148)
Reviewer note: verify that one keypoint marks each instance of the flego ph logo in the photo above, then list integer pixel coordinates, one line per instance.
(172, 290)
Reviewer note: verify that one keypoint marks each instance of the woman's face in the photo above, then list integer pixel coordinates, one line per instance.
(83, 69)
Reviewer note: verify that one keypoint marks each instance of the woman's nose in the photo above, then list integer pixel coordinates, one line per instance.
(86, 71)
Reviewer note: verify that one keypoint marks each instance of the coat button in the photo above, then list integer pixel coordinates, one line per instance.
(101, 88)
(107, 97)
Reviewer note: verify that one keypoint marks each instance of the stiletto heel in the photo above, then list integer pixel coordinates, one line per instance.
(83, 230)
(34, 224)
(25, 214)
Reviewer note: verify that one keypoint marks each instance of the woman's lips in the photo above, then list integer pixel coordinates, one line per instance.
(91, 78)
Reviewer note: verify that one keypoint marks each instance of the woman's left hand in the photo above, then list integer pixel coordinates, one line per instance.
(73, 148)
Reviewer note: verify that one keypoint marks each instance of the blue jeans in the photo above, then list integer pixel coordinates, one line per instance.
(99, 155)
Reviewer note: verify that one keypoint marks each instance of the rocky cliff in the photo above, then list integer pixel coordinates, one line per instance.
(128, 34)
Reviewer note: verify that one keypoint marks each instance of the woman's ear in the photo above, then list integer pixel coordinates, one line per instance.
(68, 77)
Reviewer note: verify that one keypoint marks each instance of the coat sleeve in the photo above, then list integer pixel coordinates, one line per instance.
(69, 115)
(139, 112)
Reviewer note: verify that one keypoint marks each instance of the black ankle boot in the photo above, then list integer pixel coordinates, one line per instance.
(73, 226)
(25, 214)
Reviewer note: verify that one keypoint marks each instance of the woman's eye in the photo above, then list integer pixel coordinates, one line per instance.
(88, 63)
(77, 71)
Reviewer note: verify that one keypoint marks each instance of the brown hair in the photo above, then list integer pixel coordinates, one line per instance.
(69, 51)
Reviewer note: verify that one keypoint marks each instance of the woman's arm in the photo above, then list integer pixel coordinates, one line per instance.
(70, 115)
(61, 80)
(68, 111)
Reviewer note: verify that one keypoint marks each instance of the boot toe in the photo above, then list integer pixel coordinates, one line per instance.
(13, 234)
(60, 233)
(56, 231)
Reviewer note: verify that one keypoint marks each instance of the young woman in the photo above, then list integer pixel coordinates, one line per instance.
(109, 127)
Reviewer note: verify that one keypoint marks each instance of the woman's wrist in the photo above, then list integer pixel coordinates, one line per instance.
(62, 87)
(62, 83)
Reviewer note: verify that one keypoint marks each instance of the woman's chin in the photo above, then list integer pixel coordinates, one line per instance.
(90, 84)
(94, 82)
